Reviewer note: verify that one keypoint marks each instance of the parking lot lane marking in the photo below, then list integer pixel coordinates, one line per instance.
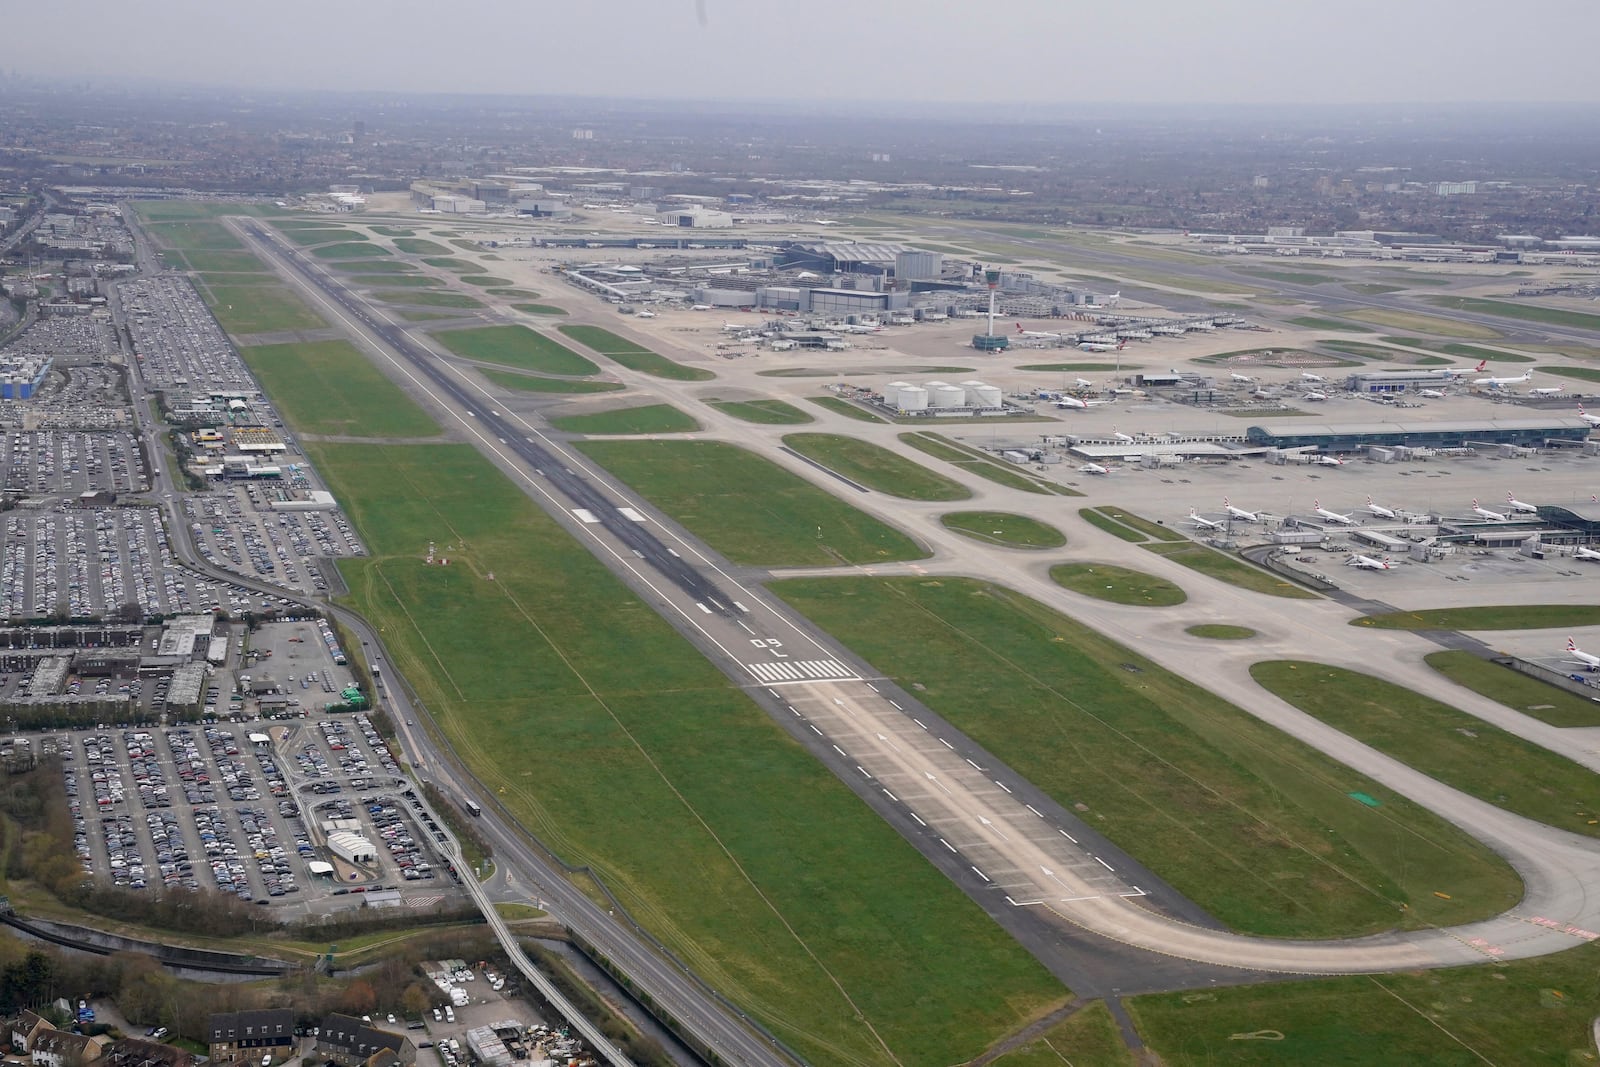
(980, 874)
(863, 771)
(1002, 785)
(839, 750)
(814, 729)
(1104, 864)
(897, 707)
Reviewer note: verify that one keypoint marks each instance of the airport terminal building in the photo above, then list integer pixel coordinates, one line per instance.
(1357, 437)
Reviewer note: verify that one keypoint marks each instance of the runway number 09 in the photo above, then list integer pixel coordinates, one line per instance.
(772, 644)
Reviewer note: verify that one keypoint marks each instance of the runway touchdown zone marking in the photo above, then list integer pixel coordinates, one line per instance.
(791, 671)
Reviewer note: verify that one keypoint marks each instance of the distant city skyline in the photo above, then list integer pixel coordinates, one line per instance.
(1039, 52)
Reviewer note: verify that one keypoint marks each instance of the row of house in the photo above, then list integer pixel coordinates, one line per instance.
(245, 1036)
(44, 1045)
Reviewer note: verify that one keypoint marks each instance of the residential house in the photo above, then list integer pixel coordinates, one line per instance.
(245, 1035)
(352, 1043)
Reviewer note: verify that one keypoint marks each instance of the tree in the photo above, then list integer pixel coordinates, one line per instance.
(358, 998)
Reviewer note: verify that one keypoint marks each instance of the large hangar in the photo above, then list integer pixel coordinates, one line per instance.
(1357, 436)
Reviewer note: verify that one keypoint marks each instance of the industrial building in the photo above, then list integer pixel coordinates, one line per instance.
(943, 398)
(352, 848)
(1356, 437)
(21, 375)
(698, 218)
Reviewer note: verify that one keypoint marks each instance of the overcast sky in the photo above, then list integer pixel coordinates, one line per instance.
(1044, 51)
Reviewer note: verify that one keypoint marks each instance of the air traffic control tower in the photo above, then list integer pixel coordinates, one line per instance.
(990, 341)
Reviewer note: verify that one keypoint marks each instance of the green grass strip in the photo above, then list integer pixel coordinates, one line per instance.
(1517, 691)
(1153, 530)
(1225, 568)
(1536, 1011)
(875, 467)
(649, 418)
(748, 508)
(516, 346)
(1117, 585)
(607, 734)
(420, 246)
(329, 387)
(766, 412)
(1093, 517)
(1497, 617)
(1003, 528)
(1458, 749)
(529, 383)
(634, 356)
(1522, 312)
(840, 406)
(1254, 826)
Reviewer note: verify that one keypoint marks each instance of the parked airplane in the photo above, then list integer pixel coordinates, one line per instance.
(1196, 519)
(1517, 505)
(874, 328)
(1496, 383)
(1327, 461)
(1431, 394)
(1101, 346)
(1083, 383)
(1036, 333)
(1381, 511)
(1308, 376)
(1549, 390)
(1367, 562)
(1093, 468)
(1240, 513)
(1456, 372)
(1485, 513)
(1236, 376)
(1586, 660)
(1592, 420)
(1124, 438)
(1315, 394)
(1584, 552)
(647, 314)
(1332, 516)
(1075, 404)
(734, 327)
(700, 307)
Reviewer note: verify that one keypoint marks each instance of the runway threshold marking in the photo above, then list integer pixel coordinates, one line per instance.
(802, 670)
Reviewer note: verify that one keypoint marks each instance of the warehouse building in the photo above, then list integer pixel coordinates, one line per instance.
(1357, 437)
(698, 218)
(352, 848)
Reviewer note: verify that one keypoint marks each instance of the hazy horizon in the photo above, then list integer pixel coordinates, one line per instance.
(889, 53)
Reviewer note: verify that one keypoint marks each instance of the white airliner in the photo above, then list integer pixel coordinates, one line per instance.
(647, 314)
(1093, 468)
(1240, 513)
(1315, 394)
(1124, 438)
(733, 327)
(699, 307)
(1485, 513)
(1456, 372)
(1584, 552)
(1308, 376)
(1332, 516)
(1431, 394)
(1517, 505)
(874, 328)
(1586, 660)
(1367, 562)
(1074, 404)
(1236, 376)
(1549, 390)
(1496, 383)
(1101, 346)
(1036, 333)
(1196, 519)
(1592, 420)
(1381, 511)
(1327, 461)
